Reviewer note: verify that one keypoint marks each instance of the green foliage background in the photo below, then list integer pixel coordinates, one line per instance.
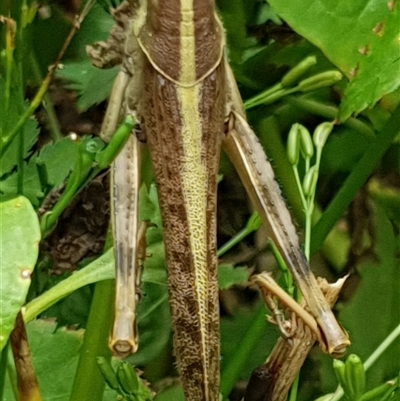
(362, 156)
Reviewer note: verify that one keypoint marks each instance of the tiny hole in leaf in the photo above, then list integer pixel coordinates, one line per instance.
(378, 29)
(391, 5)
(364, 50)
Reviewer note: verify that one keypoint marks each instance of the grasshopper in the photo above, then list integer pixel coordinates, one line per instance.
(176, 82)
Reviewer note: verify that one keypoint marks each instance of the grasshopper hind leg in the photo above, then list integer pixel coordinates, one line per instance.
(243, 148)
(128, 244)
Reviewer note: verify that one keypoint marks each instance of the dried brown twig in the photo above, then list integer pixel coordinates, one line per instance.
(272, 381)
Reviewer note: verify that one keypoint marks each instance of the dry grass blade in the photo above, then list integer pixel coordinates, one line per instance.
(28, 386)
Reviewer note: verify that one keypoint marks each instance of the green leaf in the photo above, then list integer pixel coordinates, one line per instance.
(359, 37)
(101, 269)
(19, 243)
(31, 184)
(149, 206)
(11, 156)
(153, 323)
(236, 16)
(234, 332)
(154, 265)
(373, 311)
(55, 351)
(343, 150)
(229, 275)
(174, 393)
(73, 309)
(92, 84)
(58, 167)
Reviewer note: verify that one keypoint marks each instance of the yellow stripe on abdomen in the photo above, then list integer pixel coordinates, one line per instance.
(194, 174)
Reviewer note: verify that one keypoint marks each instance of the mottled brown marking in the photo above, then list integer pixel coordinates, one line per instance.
(209, 37)
(162, 122)
(160, 36)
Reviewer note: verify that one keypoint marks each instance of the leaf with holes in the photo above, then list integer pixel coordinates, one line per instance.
(361, 37)
(19, 244)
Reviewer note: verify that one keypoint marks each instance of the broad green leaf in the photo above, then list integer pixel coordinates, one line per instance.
(96, 26)
(229, 275)
(154, 265)
(360, 37)
(19, 244)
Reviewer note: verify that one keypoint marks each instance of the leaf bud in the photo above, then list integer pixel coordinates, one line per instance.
(340, 372)
(127, 378)
(108, 373)
(306, 144)
(293, 145)
(321, 134)
(297, 71)
(355, 376)
(322, 80)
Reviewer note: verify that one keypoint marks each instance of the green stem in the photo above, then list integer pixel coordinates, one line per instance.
(295, 388)
(382, 348)
(48, 106)
(287, 276)
(307, 239)
(258, 99)
(84, 172)
(252, 225)
(380, 390)
(3, 369)
(355, 180)
(5, 142)
(89, 384)
(300, 187)
(234, 366)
